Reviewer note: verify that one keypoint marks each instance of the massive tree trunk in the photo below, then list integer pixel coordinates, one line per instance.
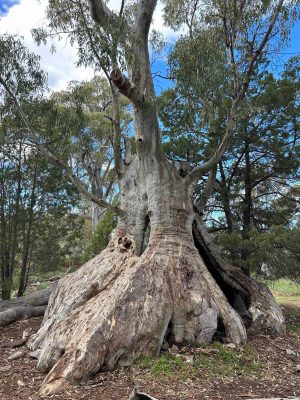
(122, 304)
(125, 302)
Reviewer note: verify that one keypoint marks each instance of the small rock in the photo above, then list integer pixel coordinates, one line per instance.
(188, 358)
(16, 355)
(290, 352)
(298, 368)
(230, 345)
(20, 383)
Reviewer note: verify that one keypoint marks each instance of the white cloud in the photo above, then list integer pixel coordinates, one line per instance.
(59, 66)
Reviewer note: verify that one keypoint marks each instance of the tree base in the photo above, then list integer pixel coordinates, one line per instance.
(119, 307)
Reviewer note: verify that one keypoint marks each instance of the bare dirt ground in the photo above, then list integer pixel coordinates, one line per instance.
(266, 368)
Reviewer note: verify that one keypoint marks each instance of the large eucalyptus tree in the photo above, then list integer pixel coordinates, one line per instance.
(128, 300)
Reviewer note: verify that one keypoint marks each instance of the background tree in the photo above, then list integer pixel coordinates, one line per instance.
(34, 201)
(88, 108)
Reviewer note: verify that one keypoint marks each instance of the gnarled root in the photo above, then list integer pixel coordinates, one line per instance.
(119, 307)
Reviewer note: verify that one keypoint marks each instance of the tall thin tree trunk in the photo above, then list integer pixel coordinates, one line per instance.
(6, 283)
(27, 238)
(247, 204)
(225, 199)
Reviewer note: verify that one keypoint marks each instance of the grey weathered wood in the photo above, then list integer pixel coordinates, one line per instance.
(32, 305)
(20, 312)
(38, 298)
(137, 395)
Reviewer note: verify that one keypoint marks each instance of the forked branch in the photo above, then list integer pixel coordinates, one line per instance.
(99, 11)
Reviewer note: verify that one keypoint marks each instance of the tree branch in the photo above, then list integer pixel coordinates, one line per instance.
(99, 11)
(259, 50)
(117, 133)
(207, 191)
(144, 17)
(94, 50)
(126, 87)
(202, 169)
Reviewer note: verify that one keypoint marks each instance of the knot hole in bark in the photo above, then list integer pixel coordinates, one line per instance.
(140, 140)
(125, 244)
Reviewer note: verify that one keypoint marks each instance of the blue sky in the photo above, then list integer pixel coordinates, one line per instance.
(5, 5)
(293, 48)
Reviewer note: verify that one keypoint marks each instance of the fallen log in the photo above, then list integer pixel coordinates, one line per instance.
(34, 299)
(18, 313)
(32, 305)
